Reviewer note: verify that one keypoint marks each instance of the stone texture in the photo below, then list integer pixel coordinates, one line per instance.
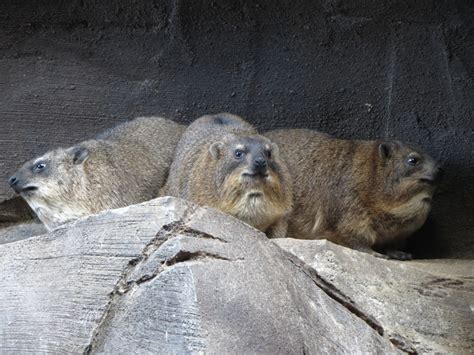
(12, 233)
(423, 306)
(356, 69)
(168, 277)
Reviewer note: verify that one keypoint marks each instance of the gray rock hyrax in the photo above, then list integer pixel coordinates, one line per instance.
(125, 165)
(367, 195)
(222, 162)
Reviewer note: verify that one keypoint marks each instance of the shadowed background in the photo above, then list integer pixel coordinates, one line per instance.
(355, 69)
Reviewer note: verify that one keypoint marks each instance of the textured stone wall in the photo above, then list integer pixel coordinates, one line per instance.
(357, 69)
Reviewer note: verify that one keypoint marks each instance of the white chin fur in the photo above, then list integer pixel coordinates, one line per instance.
(255, 210)
(54, 216)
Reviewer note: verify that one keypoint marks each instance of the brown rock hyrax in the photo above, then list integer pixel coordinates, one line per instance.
(125, 165)
(222, 162)
(367, 195)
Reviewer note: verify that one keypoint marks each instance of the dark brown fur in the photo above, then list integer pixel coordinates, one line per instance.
(205, 174)
(361, 194)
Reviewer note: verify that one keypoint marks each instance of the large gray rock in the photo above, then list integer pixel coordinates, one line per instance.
(423, 306)
(165, 276)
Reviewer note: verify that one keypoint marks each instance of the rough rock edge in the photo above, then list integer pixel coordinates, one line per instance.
(396, 337)
(333, 292)
(123, 286)
(168, 231)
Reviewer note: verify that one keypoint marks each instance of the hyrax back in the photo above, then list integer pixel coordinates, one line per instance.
(122, 166)
(362, 194)
(223, 163)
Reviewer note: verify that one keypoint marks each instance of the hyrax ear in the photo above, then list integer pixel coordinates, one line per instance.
(275, 149)
(385, 150)
(215, 149)
(79, 155)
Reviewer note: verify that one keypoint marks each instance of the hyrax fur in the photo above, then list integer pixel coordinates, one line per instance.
(367, 195)
(222, 162)
(125, 165)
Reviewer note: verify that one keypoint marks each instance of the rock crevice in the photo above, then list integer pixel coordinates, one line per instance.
(167, 276)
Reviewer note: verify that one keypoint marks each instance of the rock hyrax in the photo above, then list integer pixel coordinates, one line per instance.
(367, 195)
(125, 165)
(223, 163)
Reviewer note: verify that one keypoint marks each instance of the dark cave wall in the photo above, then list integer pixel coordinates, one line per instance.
(356, 69)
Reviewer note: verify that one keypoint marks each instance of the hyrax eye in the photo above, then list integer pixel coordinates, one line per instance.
(39, 166)
(412, 161)
(239, 154)
(268, 153)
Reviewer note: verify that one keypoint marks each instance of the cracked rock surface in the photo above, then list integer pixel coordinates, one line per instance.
(424, 306)
(167, 276)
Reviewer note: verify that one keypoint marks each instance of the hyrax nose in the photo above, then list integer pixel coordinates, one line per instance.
(13, 181)
(260, 162)
(260, 165)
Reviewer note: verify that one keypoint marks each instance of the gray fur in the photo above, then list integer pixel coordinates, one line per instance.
(122, 166)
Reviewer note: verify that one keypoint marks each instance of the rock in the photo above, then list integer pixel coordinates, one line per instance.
(166, 276)
(12, 233)
(423, 306)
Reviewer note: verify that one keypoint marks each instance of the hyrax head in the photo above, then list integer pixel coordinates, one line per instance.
(407, 172)
(251, 182)
(245, 162)
(50, 183)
